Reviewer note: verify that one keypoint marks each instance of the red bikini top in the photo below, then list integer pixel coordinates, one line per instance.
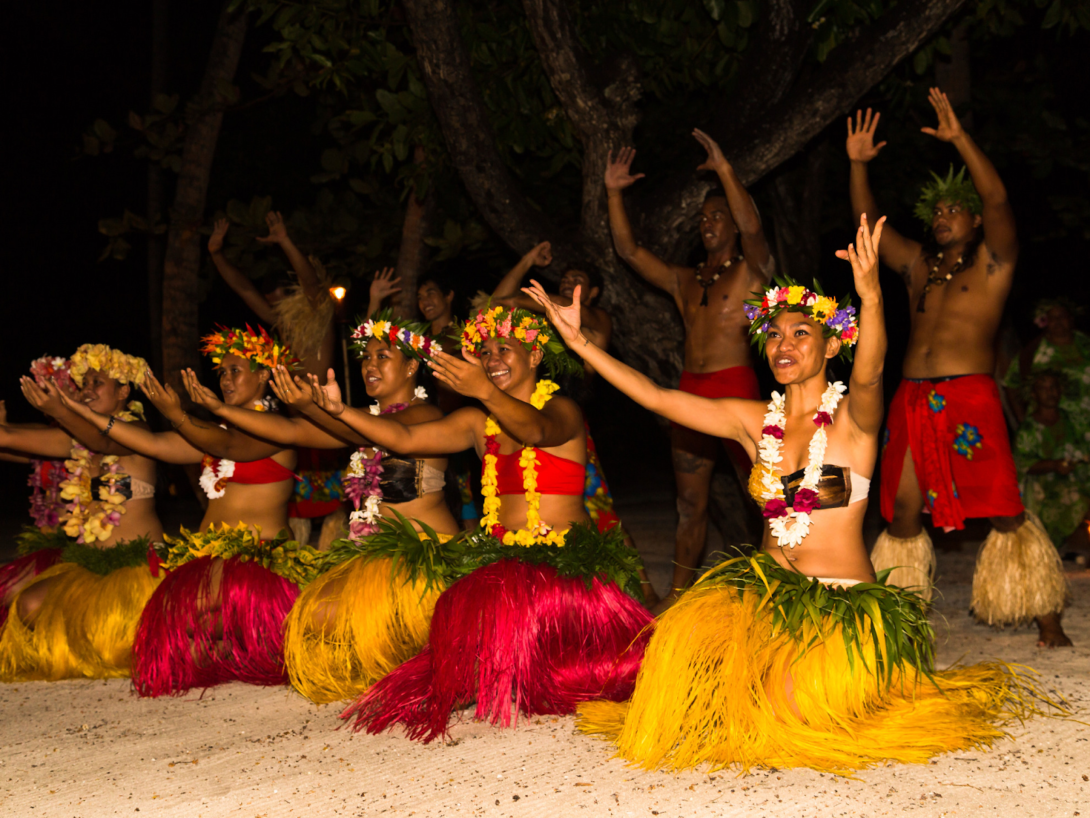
(257, 472)
(555, 475)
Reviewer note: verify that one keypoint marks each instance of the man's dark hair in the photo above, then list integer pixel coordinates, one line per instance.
(274, 281)
(440, 277)
(715, 193)
(593, 274)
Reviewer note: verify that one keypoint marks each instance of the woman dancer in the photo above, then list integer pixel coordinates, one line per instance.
(365, 614)
(795, 656)
(219, 614)
(541, 617)
(79, 617)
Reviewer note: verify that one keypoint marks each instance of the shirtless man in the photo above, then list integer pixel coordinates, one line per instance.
(947, 449)
(717, 351)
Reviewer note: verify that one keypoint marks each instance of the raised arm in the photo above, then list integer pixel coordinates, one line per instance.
(210, 438)
(304, 270)
(721, 417)
(999, 229)
(647, 264)
(234, 277)
(897, 251)
(509, 292)
(383, 285)
(866, 406)
(742, 208)
(168, 447)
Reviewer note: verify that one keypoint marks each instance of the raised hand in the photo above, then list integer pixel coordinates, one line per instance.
(278, 231)
(949, 127)
(327, 397)
(540, 256)
(860, 144)
(219, 230)
(715, 161)
(200, 394)
(384, 284)
(618, 171)
(45, 398)
(567, 320)
(863, 255)
(290, 391)
(464, 375)
(164, 398)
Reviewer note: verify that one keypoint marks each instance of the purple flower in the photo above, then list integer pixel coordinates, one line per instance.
(751, 311)
(765, 326)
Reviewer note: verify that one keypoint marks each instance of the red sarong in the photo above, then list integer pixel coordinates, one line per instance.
(733, 382)
(960, 450)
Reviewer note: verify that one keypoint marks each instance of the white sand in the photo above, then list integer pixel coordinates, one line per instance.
(92, 748)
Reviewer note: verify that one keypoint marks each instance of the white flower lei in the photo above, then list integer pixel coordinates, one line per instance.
(420, 393)
(791, 529)
(222, 473)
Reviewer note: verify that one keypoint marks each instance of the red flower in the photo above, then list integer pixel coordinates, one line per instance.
(153, 561)
(498, 531)
(823, 419)
(491, 445)
(775, 508)
(774, 431)
(806, 500)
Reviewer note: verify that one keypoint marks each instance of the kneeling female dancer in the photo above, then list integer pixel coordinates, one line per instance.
(79, 617)
(219, 614)
(365, 614)
(539, 615)
(796, 656)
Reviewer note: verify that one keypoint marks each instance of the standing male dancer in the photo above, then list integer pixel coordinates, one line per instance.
(947, 448)
(717, 351)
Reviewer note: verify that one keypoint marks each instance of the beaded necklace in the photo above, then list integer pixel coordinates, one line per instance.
(706, 283)
(936, 280)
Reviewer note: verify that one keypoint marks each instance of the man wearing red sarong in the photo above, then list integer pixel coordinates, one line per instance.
(717, 355)
(947, 450)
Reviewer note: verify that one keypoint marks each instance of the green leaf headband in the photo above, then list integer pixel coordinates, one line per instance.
(951, 189)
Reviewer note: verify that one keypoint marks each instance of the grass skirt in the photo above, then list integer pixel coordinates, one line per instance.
(546, 636)
(38, 550)
(713, 688)
(219, 614)
(355, 623)
(87, 620)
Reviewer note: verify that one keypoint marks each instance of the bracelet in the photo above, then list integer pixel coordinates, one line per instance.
(106, 432)
(180, 423)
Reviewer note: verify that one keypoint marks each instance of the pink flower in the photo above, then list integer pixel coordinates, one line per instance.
(822, 419)
(531, 334)
(781, 296)
(775, 508)
(773, 431)
(806, 500)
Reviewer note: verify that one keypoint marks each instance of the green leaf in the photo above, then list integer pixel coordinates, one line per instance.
(745, 13)
(715, 8)
(1053, 15)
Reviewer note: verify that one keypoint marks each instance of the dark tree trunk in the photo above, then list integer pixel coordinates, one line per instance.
(183, 253)
(412, 255)
(797, 188)
(156, 188)
(953, 75)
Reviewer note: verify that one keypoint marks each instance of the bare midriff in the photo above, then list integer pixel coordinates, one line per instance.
(558, 511)
(431, 510)
(716, 335)
(955, 334)
(263, 507)
(833, 548)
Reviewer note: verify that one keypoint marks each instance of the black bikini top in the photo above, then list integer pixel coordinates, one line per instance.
(404, 479)
(837, 487)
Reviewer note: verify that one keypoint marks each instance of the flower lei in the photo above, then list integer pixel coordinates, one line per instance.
(217, 472)
(535, 532)
(79, 522)
(836, 318)
(362, 480)
(259, 348)
(45, 501)
(791, 524)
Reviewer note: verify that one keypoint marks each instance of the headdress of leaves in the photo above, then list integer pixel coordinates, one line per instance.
(113, 363)
(531, 330)
(410, 336)
(837, 318)
(259, 348)
(953, 188)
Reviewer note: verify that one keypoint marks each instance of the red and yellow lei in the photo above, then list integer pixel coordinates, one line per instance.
(535, 532)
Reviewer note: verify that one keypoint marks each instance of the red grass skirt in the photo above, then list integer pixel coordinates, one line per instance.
(512, 631)
(187, 639)
(21, 569)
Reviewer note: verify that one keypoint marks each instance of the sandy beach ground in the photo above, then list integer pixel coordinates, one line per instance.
(92, 748)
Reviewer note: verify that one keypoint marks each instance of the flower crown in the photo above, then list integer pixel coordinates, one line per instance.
(48, 368)
(259, 348)
(531, 330)
(951, 189)
(1042, 307)
(836, 318)
(113, 363)
(409, 336)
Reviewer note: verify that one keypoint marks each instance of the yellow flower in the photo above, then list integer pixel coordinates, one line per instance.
(795, 294)
(824, 308)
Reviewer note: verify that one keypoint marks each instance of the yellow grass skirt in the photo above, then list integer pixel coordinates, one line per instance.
(84, 627)
(713, 687)
(354, 624)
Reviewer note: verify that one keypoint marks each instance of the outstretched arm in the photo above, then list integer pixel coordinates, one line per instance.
(897, 251)
(304, 270)
(210, 438)
(47, 399)
(720, 417)
(999, 229)
(643, 261)
(238, 282)
(866, 406)
(36, 441)
(742, 208)
(507, 293)
(169, 447)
